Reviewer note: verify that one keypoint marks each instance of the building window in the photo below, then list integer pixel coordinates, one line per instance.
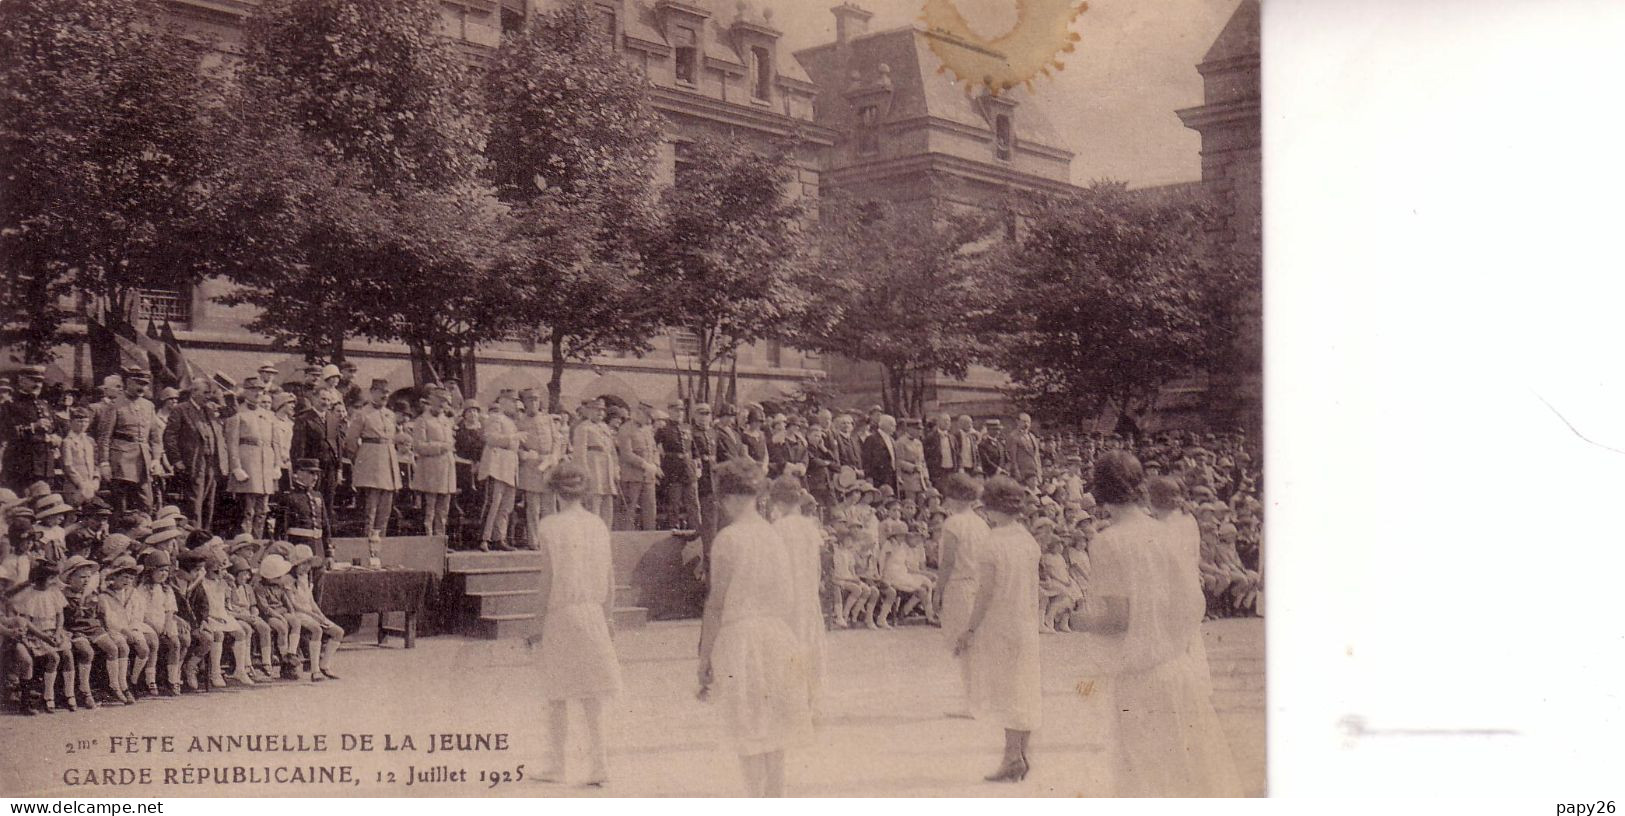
(775, 353)
(513, 21)
(1001, 136)
(868, 129)
(606, 27)
(685, 343)
(682, 164)
(688, 55)
(173, 305)
(762, 64)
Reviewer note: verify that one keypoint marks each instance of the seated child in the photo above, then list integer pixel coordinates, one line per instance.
(128, 632)
(156, 600)
(1056, 584)
(303, 598)
(244, 607)
(87, 631)
(44, 641)
(869, 563)
(851, 594)
(905, 565)
(204, 636)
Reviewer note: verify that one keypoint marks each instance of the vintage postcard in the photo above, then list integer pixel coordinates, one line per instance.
(631, 398)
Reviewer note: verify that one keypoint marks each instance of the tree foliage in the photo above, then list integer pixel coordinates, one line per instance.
(903, 289)
(573, 145)
(730, 254)
(104, 135)
(1115, 293)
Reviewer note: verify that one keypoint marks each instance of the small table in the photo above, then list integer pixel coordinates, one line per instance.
(363, 592)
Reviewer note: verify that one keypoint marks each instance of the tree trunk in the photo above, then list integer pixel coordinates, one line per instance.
(468, 367)
(702, 385)
(335, 348)
(555, 383)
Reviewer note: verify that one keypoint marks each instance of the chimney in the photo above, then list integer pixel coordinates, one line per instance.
(850, 22)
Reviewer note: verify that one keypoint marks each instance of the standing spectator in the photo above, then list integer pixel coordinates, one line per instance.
(435, 474)
(679, 468)
(163, 408)
(592, 447)
(990, 456)
(640, 468)
(822, 465)
(705, 463)
(1022, 451)
(377, 471)
(282, 404)
(251, 453)
(80, 478)
(129, 446)
(317, 435)
(499, 468)
(196, 447)
(912, 476)
(537, 455)
(469, 445)
(880, 453)
(939, 448)
(848, 451)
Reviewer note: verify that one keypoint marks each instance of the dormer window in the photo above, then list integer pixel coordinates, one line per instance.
(686, 49)
(868, 129)
(761, 63)
(1002, 137)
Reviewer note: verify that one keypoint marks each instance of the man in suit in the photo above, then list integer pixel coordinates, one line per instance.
(128, 446)
(316, 435)
(965, 444)
(848, 452)
(1022, 451)
(730, 441)
(941, 450)
(880, 453)
(195, 443)
(990, 460)
(707, 453)
(679, 467)
(28, 432)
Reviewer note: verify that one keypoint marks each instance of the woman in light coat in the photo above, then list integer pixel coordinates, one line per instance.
(251, 455)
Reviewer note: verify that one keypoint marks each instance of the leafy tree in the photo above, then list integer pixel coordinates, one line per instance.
(901, 289)
(573, 144)
(363, 115)
(729, 256)
(1115, 293)
(104, 134)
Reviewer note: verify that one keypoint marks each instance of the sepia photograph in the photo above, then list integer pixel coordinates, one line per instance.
(631, 398)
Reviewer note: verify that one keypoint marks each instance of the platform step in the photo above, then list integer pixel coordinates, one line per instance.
(630, 617)
(626, 595)
(465, 561)
(502, 627)
(504, 602)
(497, 579)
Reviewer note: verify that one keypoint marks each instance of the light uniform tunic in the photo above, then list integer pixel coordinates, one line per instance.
(1003, 655)
(535, 437)
(577, 658)
(592, 446)
(500, 458)
(755, 662)
(433, 439)
(803, 540)
(251, 446)
(371, 436)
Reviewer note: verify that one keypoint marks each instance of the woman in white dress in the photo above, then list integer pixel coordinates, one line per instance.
(803, 541)
(1168, 740)
(1000, 640)
(963, 535)
(577, 660)
(748, 648)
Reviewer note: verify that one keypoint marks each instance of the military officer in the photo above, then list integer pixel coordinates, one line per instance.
(305, 515)
(435, 475)
(29, 432)
(640, 467)
(537, 456)
(499, 467)
(679, 462)
(370, 440)
(251, 457)
(592, 446)
(128, 444)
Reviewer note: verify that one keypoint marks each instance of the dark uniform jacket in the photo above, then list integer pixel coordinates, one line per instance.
(304, 509)
(315, 438)
(25, 422)
(676, 443)
(990, 456)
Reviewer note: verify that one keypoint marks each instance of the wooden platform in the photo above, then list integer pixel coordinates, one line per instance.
(502, 594)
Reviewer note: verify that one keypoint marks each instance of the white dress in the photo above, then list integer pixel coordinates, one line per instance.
(963, 534)
(1168, 740)
(803, 541)
(1003, 655)
(761, 688)
(576, 657)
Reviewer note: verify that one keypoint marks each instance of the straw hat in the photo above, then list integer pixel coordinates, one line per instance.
(273, 567)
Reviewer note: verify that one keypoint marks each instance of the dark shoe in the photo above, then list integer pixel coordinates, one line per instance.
(330, 675)
(73, 705)
(90, 701)
(171, 691)
(1010, 772)
(502, 546)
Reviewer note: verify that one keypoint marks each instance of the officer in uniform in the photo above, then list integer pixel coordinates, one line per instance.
(376, 472)
(306, 517)
(29, 432)
(128, 445)
(592, 445)
(640, 468)
(679, 485)
(537, 456)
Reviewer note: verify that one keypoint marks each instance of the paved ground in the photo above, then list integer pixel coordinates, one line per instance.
(884, 734)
